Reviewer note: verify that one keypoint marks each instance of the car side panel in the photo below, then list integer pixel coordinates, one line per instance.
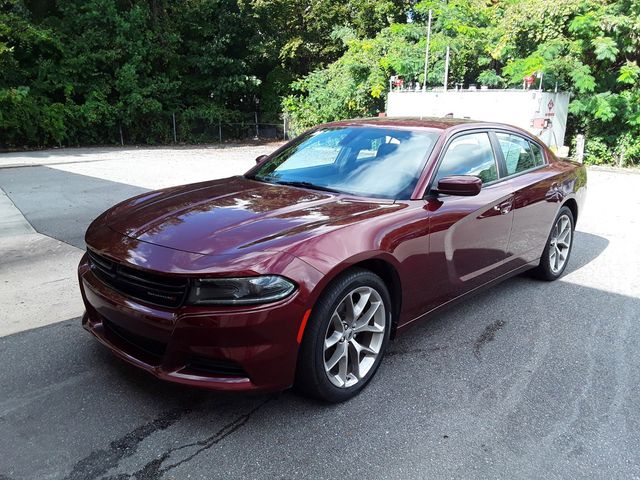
(465, 249)
(468, 241)
(401, 239)
(538, 197)
(534, 209)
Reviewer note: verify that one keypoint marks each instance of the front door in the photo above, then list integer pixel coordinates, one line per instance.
(469, 236)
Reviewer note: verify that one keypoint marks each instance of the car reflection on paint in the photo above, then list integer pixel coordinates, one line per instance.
(300, 272)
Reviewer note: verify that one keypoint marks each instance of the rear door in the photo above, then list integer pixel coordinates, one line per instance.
(533, 183)
(469, 236)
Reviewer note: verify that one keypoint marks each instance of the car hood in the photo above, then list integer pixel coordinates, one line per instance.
(236, 215)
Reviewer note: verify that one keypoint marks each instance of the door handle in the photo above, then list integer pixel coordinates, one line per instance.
(504, 207)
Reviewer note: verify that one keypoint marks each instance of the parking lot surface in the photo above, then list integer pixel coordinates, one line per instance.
(525, 380)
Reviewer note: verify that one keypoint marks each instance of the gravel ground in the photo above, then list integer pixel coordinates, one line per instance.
(525, 380)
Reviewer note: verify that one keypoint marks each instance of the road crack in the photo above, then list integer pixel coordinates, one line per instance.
(99, 462)
(154, 470)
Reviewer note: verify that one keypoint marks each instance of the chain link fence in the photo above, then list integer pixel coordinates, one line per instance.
(180, 129)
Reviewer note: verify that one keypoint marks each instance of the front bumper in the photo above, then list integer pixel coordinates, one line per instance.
(232, 348)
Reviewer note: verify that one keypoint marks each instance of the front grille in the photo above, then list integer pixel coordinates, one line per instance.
(151, 347)
(148, 287)
(226, 368)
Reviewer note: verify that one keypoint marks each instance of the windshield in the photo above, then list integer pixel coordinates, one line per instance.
(364, 161)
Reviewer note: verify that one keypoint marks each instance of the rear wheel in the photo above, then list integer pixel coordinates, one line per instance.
(558, 249)
(345, 338)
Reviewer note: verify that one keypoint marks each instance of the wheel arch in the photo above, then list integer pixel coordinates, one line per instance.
(390, 276)
(572, 205)
(380, 265)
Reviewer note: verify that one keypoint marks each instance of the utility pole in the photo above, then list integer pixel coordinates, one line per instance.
(446, 69)
(426, 54)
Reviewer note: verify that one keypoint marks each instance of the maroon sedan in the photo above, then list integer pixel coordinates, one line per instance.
(300, 271)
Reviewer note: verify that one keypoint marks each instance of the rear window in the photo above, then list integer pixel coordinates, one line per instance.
(537, 154)
(519, 154)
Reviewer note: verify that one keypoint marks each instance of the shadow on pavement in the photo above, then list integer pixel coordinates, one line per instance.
(587, 247)
(60, 204)
(527, 376)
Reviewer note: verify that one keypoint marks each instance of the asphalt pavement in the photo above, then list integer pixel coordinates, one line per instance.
(525, 380)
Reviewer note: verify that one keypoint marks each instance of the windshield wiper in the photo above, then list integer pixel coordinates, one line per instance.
(310, 185)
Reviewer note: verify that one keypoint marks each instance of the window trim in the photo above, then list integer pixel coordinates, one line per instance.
(497, 152)
(430, 190)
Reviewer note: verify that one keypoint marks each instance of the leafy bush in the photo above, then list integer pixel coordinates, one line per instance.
(80, 72)
(588, 47)
(596, 151)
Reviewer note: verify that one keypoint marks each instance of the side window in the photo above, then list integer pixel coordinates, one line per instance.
(538, 156)
(469, 155)
(517, 153)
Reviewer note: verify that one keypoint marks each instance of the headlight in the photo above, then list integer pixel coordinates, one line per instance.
(239, 291)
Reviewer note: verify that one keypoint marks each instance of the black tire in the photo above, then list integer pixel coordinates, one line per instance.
(545, 270)
(311, 378)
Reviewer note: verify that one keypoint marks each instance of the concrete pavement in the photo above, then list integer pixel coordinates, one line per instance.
(59, 192)
(12, 222)
(526, 380)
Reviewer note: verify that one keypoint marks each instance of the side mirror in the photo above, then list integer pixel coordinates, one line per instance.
(462, 185)
(261, 158)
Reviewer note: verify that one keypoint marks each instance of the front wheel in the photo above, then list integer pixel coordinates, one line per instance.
(346, 337)
(558, 248)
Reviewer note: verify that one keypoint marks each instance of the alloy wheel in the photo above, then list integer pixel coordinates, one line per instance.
(354, 337)
(560, 244)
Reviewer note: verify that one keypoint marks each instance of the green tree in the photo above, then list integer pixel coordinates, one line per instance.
(27, 114)
(294, 37)
(357, 83)
(590, 48)
(80, 71)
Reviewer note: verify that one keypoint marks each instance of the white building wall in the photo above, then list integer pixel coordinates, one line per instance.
(526, 109)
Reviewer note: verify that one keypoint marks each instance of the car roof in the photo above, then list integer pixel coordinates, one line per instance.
(437, 123)
(443, 124)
